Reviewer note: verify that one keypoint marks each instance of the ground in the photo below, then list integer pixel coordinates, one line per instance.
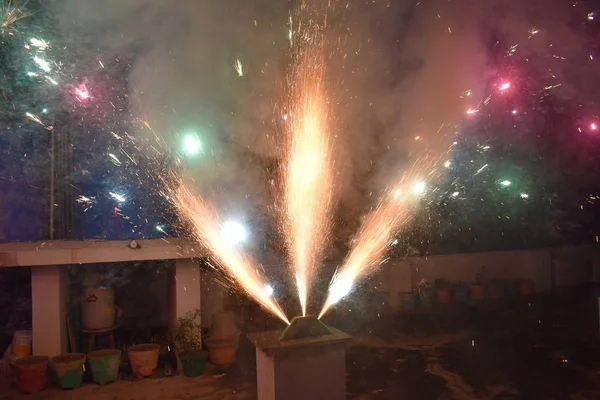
(545, 347)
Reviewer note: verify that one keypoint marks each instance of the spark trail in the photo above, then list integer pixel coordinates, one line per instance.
(207, 230)
(308, 176)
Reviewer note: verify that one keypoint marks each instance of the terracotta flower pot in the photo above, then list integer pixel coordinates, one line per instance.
(477, 292)
(527, 287)
(222, 351)
(443, 295)
(105, 365)
(143, 359)
(30, 373)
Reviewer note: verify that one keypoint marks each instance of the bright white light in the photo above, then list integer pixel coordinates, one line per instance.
(593, 126)
(117, 196)
(505, 183)
(38, 43)
(191, 144)
(160, 229)
(524, 196)
(234, 232)
(397, 193)
(514, 112)
(43, 64)
(455, 194)
(447, 164)
(504, 86)
(340, 288)
(395, 242)
(268, 290)
(44, 110)
(418, 187)
(591, 16)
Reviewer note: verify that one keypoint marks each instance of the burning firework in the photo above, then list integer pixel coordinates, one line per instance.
(207, 230)
(374, 235)
(308, 180)
(11, 13)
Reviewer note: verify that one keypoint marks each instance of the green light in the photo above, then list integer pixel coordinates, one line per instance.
(191, 144)
(505, 183)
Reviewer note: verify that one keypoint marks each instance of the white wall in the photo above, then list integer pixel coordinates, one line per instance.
(572, 266)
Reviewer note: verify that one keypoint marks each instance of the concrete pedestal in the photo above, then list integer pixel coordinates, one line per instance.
(311, 368)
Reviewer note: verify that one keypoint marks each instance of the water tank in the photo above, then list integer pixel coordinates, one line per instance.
(97, 307)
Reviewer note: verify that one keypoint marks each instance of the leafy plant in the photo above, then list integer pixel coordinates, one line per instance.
(188, 332)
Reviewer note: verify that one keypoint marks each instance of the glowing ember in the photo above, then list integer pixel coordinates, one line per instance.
(472, 111)
(308, 176)
(504, 86)
(207, 230)
(593, 126)
(82, 92)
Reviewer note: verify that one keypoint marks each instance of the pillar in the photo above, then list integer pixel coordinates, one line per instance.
(49, 286)
(213, 297)
(187, 286)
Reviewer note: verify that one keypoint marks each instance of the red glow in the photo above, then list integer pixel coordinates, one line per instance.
(82, 93)
(504, 86)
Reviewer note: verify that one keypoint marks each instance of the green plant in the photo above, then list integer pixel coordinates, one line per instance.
(424, 285)
(188, 332)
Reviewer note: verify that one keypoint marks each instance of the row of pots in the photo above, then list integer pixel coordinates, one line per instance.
(463, 293)
(31, 373)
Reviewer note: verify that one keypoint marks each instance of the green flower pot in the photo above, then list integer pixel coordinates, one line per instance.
(193, 362)
(105, 365)
(68, 370)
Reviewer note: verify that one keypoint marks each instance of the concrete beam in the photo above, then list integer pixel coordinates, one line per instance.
(49, 288)
(62, 252)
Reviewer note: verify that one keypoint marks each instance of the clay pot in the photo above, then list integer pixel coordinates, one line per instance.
(222, 351)
(143, 359)
(527, 287)
(477, 292)
(68, 370)
(30, 373)
(443, 295)
(105, 365)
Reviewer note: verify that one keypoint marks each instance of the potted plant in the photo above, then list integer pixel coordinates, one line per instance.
(426, 292)
(443, 291)
(188, 340)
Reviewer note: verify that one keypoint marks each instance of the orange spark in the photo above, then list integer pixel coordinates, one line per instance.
(203, 218)
(308, 175)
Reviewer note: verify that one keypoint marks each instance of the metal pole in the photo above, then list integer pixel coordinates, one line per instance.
(52, 184)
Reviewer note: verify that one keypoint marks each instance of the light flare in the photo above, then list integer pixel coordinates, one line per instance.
(239, 68)
(207, 230)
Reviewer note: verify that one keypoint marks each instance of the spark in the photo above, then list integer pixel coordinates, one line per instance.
(505, 183)
(32, 74)
(117, 196)
(34, 118)
(472, 111)
(308, 171)
(533, 31)
(268, 290)
(481, 169)
(82, 92)
(504, 86)
(52, 81)
(160, 229)
(114, 159)
(100, 62)
(238, 67)
(455, 194)
(39, 43)
(206, 229)
(524, 196)
(43, 64)
(593, 126)
(514, 112)
(11, 13)
(447, 164)
(591, 16)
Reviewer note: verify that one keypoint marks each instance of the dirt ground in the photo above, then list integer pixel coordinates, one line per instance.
(539, 348)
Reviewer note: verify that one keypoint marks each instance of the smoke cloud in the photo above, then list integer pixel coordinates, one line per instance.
(396, 70)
